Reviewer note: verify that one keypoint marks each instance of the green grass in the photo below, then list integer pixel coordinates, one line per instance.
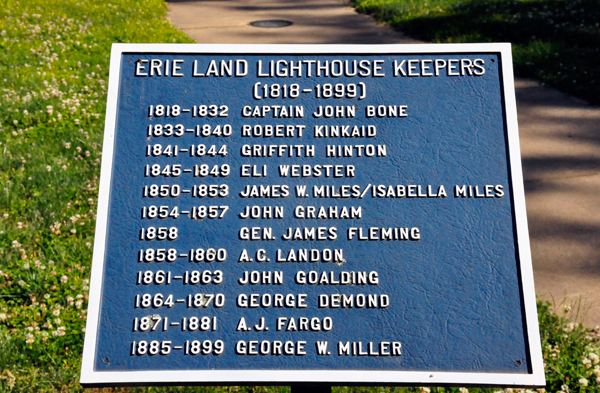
(52, 101)
(53, 76)
(555, 41)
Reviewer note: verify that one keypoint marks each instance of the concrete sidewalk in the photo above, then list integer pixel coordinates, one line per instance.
(315, 22)
(560, 135)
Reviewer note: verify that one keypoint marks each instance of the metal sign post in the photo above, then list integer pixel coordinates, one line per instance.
(334, 215)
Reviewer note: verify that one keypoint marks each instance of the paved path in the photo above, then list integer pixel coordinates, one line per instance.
(560, 135)
(315, 22)
(560, 146)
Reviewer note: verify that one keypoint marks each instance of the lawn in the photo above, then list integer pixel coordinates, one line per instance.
(54, 77)
(53, 94)
(555, 41)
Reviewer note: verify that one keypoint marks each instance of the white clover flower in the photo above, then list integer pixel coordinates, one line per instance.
(583, 382)
(57, 321)
(570, 327)
(47, 296)
(79, 303)
(26, 112)
(73, 231)
(425, 390)
(463, 390)
(19, 225)
(567, 310)
(597, 371)
(16, 244)
(3, 317)
(67, 145)
(56, 313)
(30, 328)
(564, 388)
(595, 359)
(26, 266)
(64, 279)
(88, 244)
(30, 338)
(48, 168)
(22, 283)
(5, 215)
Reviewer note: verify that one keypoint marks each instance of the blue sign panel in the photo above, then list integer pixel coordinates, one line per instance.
(285, 214)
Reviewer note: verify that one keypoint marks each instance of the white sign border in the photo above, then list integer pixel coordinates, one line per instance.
(90, 377)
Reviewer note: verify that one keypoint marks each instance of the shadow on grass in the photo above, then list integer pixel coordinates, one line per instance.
(555, 41)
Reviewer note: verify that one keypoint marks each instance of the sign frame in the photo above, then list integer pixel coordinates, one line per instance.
(91, 377)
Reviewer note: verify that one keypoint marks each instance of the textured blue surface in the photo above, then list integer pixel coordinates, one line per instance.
(455, 294)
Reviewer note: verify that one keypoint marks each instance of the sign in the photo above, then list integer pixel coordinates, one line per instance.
(326, 214)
